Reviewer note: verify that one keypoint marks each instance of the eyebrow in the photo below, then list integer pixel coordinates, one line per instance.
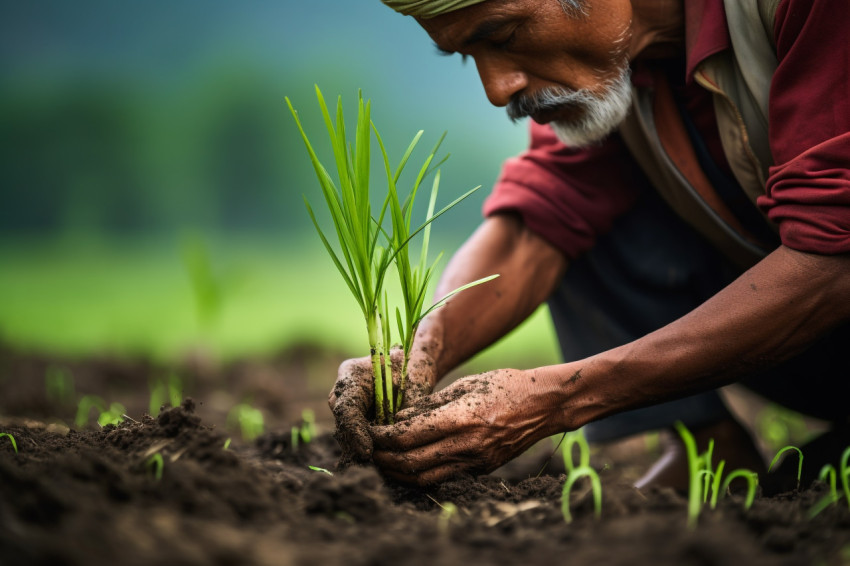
(484, 30)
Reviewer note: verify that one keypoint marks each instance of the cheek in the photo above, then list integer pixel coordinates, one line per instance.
(604, 35)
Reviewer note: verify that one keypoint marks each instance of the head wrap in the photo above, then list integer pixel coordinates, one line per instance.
(428, 8)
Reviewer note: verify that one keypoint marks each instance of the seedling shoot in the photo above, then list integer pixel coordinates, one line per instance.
(11, 439)
(799, 461)
(366, 250)
(576, 472)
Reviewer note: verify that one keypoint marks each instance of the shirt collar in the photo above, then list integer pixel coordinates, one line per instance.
(705, 32)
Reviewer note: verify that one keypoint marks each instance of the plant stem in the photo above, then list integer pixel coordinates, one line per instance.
(694, 464)
(403, 381)
(375, 348)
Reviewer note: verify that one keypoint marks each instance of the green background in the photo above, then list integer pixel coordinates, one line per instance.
(130, 128)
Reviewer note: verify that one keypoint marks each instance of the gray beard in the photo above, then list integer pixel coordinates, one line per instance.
(599, 115)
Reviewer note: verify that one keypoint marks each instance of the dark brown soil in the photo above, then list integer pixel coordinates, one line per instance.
(87, 497)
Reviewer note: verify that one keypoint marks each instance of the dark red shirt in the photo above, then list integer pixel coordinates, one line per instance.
(571, 196)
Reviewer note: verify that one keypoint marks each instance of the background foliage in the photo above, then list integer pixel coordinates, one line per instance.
(125, 126)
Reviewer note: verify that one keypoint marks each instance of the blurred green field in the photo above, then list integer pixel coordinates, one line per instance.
(82, 298)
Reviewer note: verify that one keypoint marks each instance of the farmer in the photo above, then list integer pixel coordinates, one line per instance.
(684, 208)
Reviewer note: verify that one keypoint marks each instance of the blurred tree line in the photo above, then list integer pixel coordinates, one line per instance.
(120, 159)
(137, 120)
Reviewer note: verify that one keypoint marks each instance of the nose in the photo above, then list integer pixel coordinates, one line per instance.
(500, 79)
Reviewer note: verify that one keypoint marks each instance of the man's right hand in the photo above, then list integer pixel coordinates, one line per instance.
(352, 398)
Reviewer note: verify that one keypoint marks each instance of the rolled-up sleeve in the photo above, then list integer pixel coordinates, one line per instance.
(808, 190)
(567, 196)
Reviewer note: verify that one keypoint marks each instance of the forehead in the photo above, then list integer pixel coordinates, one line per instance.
(449, 31)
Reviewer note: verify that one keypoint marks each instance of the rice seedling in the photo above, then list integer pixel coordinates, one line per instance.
(318, 469)
(703, 477)
(112, 414)
(694, 495)
(707, 473)
(799, 461)
(752, 484)
(447, 511)
(59, 385)
(414, 280)
(168, 389)
(206, 286)
(304, 432)
(366, 250)
(845, 473)
(84, 408)
(716, 490)
(11, 439)
(154, 465)
(247, 419)
(576, 472)
(829, 474)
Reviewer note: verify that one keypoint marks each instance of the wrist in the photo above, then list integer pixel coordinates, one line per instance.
(427, 351)
(578, 392)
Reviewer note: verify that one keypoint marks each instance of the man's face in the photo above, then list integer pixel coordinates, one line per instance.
(571, 71)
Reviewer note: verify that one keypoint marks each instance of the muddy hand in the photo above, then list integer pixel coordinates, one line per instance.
(474, 425)
(351, 401)
(352, 398)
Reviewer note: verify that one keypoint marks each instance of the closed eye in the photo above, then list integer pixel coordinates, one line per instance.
(505, 43)
(446, 53)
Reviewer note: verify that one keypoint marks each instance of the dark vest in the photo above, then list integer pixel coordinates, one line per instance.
(739, 80)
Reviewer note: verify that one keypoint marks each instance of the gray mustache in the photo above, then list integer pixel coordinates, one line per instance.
(547, 99)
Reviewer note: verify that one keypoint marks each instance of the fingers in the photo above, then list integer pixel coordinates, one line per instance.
(350, 401)
(429, 477)
(430, 447)
(425, 402)
(353, 429)
(414, 430)
(435, 462)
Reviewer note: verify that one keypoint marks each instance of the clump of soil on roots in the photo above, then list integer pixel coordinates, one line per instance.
(85, 497)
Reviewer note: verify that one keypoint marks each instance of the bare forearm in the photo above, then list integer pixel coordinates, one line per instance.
(528, 268)
(768, 315)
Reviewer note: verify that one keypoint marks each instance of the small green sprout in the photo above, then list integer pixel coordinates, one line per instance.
(227, 444)
(304, 433)
(575, 438)
(752, 484)
(168, 389)
(447, 511)
(799, 461)
(11, 439)
(84, 408)
(715, 484)
(694, 464)
(318, 469)
(155, 465)
(703, 478)
(827, 474)
(575, 472)
(248, 419)
(845, 474)
(707, 472)
(113, 414)
(59, 385)
(206, 286)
